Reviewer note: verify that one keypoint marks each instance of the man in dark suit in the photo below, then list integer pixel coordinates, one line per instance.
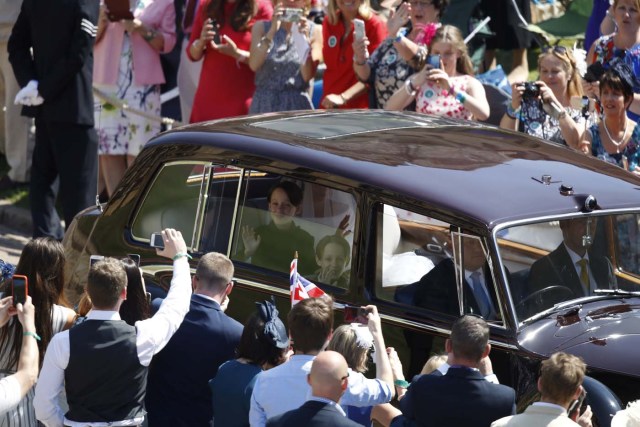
(51, 52)
(328, 379)
(572, 265)
(437, 289)
(461, 397)
(177, 392)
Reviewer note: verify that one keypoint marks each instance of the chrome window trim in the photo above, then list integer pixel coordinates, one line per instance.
(203, 197)
(150, 187)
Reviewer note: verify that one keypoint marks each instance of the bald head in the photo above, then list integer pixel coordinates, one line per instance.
(328, 376)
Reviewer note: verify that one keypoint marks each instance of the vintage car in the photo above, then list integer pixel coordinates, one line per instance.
(431, 218)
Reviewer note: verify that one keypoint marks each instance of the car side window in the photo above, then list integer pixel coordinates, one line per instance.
(171, 201)
(421, 263)
(220, 208)
(278, 217)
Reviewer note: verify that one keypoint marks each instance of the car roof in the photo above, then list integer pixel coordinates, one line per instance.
(484, 173)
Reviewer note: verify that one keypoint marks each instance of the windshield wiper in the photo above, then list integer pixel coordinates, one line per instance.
(557, 307)
(616, 292)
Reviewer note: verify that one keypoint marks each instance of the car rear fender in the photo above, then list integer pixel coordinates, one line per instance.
(604, 403)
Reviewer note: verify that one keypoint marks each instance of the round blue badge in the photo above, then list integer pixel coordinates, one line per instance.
(333, 41)
(391, 58)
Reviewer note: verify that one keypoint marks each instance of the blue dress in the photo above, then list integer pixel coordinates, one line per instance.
(279, 82)
(631, 151)
(231, 389)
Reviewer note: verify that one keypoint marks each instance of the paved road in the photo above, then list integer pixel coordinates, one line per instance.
(11, 244)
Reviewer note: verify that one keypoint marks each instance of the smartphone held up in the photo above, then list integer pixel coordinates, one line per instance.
(358, 29)
(19, 289)
(355, 314)
(156, 241)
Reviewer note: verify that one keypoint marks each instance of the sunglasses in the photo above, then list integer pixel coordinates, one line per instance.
(560, 50)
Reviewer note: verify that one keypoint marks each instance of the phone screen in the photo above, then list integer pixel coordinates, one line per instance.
(355, 314)
(434, 61)
(19, 289)
(156, 241)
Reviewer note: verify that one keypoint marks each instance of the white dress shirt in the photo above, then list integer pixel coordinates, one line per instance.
(9, 393)
(492, 378)
(151, 336)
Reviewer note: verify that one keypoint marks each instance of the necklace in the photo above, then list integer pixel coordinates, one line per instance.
(624, 134)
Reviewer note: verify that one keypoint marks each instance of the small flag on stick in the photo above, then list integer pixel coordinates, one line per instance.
(301, 288)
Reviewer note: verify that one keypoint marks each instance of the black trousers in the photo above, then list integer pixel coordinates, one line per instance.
(65, 159)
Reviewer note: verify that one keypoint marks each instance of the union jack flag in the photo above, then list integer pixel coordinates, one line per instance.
(301, 288)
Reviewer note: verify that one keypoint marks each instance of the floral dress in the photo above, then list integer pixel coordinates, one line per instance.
(630, 153)
(121, 132)
(433, 99)
(536, 122)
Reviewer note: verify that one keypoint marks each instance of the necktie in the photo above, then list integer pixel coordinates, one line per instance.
(584, 273)
(189, 13)
(480, 295)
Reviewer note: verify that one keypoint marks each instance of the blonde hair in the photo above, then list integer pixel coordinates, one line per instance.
(364, 10)
(560, 376)
(452, 35)
(574, 86)
(615, 3)
(433, 363)
(345, 342)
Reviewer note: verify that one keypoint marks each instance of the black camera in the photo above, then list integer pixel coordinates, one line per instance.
(594, 72)
(531, 90)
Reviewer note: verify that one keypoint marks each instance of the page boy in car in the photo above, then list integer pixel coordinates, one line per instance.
(332, 255)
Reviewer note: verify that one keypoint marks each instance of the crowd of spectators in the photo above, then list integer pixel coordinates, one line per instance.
(258, 56)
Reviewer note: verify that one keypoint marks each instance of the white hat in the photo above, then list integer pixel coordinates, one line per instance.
(629, 417)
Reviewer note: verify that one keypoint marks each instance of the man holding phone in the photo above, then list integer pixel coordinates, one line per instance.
(102, 363)
(560, 386)
(178, 392)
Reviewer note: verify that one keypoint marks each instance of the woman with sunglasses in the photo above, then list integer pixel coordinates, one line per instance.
(410, 30)
(625, 43)
(449, 90)
(543, 108)
(341, 88)
(616, 139)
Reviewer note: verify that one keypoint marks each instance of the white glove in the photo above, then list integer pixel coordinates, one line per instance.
(29, 95)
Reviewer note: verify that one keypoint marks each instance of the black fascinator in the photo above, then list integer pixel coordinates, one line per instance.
(624, 72)
(274, 329)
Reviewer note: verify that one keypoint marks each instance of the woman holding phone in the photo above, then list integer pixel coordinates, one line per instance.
(127, 69)
(411, 29)
(283, 70)
(42, 262)
(221, 37)
(447, 90)
(344, 21)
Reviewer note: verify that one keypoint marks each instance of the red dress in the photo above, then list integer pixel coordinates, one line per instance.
(338, 56)
(226, 87)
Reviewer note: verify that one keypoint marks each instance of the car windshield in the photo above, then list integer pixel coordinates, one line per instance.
(552, 262)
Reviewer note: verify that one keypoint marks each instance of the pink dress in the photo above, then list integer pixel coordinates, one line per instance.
(432, 99)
